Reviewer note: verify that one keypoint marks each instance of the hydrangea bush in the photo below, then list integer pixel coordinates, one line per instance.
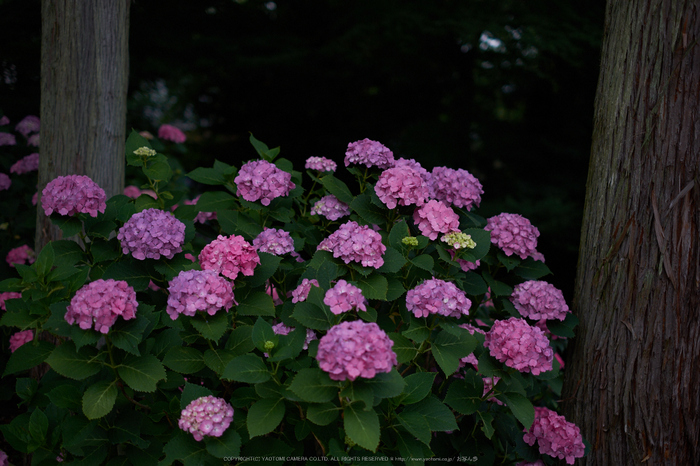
(395, 322)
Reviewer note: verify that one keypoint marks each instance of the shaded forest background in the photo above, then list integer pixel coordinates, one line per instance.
(503, 89)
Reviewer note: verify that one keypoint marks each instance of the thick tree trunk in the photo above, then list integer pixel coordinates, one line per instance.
(633, 384)
(84, 77)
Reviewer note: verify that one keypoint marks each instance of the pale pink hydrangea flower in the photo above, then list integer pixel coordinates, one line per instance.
(301, 292)
(33, 140)
(195, 291)
(262, 180)
(7, 139)
(72, 194)
(355, 349)
(20, 255)
(536, 299)
(355, 243)
(8, 295)
(4, 120)
(229, 256)
(437, 296)
(369, 153)
(321, 164)
(201, 216)
(344, 297)
(5, 181)
(281, 329)
(274, 241)
(330, 207)
(99, 303)
(29, 124)
(20, 338)
(434, 218)
(207, 416)
(555, 436)
(152, 233)
(402, 186)
(458, 187)
(171, 133)
(519, 345)
(513, 233)
(26, 164)
(134, 192)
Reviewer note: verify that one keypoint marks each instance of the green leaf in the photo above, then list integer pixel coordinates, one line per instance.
(172, 268)
(103, 229)
(374, 286)
(264, 416)
(424, 261)
(412, 451)
(521, 408)
(464, 396)
(290, 346)
(257, 303)
(145, 201)
(38, 426)
(404, 349)
(67, 252)
(509, 262)
(191, 392)
(130, 270)
(65, 396)
(359, 391)
(70, 226)
(368, 211)
(142, 373)
(436, 414)
(417, 425)
(417, 387)
(448, 348)
(530, 269)
(186, 449)
(99, 399)
(20, 318)
(45, 260)
(473, 284)
(312, 316)
(228, 445)
(262, 333)
(263, 151)
(361, 426)
(211, 327)
(183, 359)
(133, 142)
(217, 359)
(247, 368)
(214, 201)
(267, 267)
(127, 335)
(398, 232)
(487, 428)
(240, 341)
(393, 261)
(208, 176)
(69, 362)
(337, 188)
(482, 238)
(158, 169)
(394, 290)
(497, 288)
(314, 385)
(417, 331)
(322, 414)
(386, 384)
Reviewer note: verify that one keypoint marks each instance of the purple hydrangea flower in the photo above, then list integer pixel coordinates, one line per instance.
(27, 164)
(262, 180)
(33, 140)
(555, 436)
(330, 207)
(4, 120)
(20, 255)
(519, 345)
(152, 233)
(229, 256)
(344, 297)
(369, 153)
(19, 338)
(8, 295)
(5, 182)
(513, 233)
(536, 299)
(274, 241)
(171, 133)
(411, 163)
(72, 194)
(301, 292)
(321, 164)
(99, 303)
(207, 416)
(401, 185)
(354, 242)
(7, 139)
(434, 218)
(198, 290)
(457, 187)
(437, 296)
(29, 124)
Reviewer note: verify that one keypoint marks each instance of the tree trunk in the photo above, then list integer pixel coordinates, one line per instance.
(84, 77)
(633, 384)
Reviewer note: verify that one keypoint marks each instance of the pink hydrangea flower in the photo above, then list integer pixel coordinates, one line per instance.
(536, 299)
(355, 243)
(4, 460)
(330, 207)
(33, 140)
(437, 296)
(402, 186)
(26, 164)
(465, 265)
(72, 194)
(8, 295)
(344, 297)
(458, 187)
(369, 153)
(434, 218)
(7, 139)
(471, 359)
(20, 255)
(99, 303)
(274, 241)
(201, 216)
(171, 133)
(538, 256)
(355, 349)
(35, 198)
(20, 338)
(146, 134)
(555, 436)
(134, 192)
(301, 292)
(321, 164)
(29, 124)
(513, 233)
(5, 181)
(519, 345)
(152, 233)
(489, 383)
(207, 416)
(195, 291)
(281, 329)
(262, 180)
(411, 163)
(229, 256)
(4, 120)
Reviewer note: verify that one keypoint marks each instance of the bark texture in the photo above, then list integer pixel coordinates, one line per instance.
(632, 384)
(84, 78)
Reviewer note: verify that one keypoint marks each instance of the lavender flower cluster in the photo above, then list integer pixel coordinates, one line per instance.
(262, 180)
(519, 345)
(72, 194)
(369, 153)
(20, 255)
(457, 187)
(330, 207)
(5, 181)
(536, 300)
(437, 296)
(152, 233)
(301, 292)
(100, 303)
(198, 290)
(207, 416)
(26, 164)
(171, 133)
(19, 338)
(555, 436)
(514, 234)
(274, 241)
(321, 164)
(229, 256)
(355, 243)
(344, 297)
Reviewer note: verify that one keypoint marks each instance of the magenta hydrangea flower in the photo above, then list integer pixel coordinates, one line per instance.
(434, 218)
(355, 349)
(99, 303)
(538, 256)
(29, 124)
(207, 416)
(4, 121)
(72, 194)
(262, 180)
(20, 338)
(536, 299)
(171, 133)
(20, 255)
(402, 186)
(437, 296)
(274, 241)
(281, 329)
(321, 164)
(330, 207)
(344, 297)
(355, 243)
(513, 233)
(198, 290)
(26, 164)
(152, 233)
(229, 256)
(8, 295)
(519, 345)
(555, 436)
(201, 216)
(369, 153)
(5, 181)
(7, 139)
(301, 292)
(457, 187)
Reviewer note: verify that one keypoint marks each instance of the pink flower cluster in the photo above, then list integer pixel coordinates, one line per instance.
(72, 194)
(355, 349)
(198, 290)
(7, 139)
(410, 163)
(171, 133)
(134, 192)
(229, 256)
(434, 218)
(354, 242)
(29, 124)
(369, 153)
(520, 346)
(513, 233)
(4, 460)
(20, 255)
(152, 233)
(4, 120)
(26, 164)
(99, 303)
(301, 292)
(274, 241)
(437, 296)
(536, 299)
(281, 329)
(262, 180)
(555, 436)
(321, 164)
(5, 181)
(330, 207)
(402, 186)
(8, 295)
(344, 297)
(20, 338)
(458, 187)
(207, 416)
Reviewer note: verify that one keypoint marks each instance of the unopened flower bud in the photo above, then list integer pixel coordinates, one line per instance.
(458, 240)
(410, 241)
(145, 151)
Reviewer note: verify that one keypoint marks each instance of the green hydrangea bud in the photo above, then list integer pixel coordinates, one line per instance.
(145, 151)
(269, 345)
(410, 241)
(349, 442)
(459, 240)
